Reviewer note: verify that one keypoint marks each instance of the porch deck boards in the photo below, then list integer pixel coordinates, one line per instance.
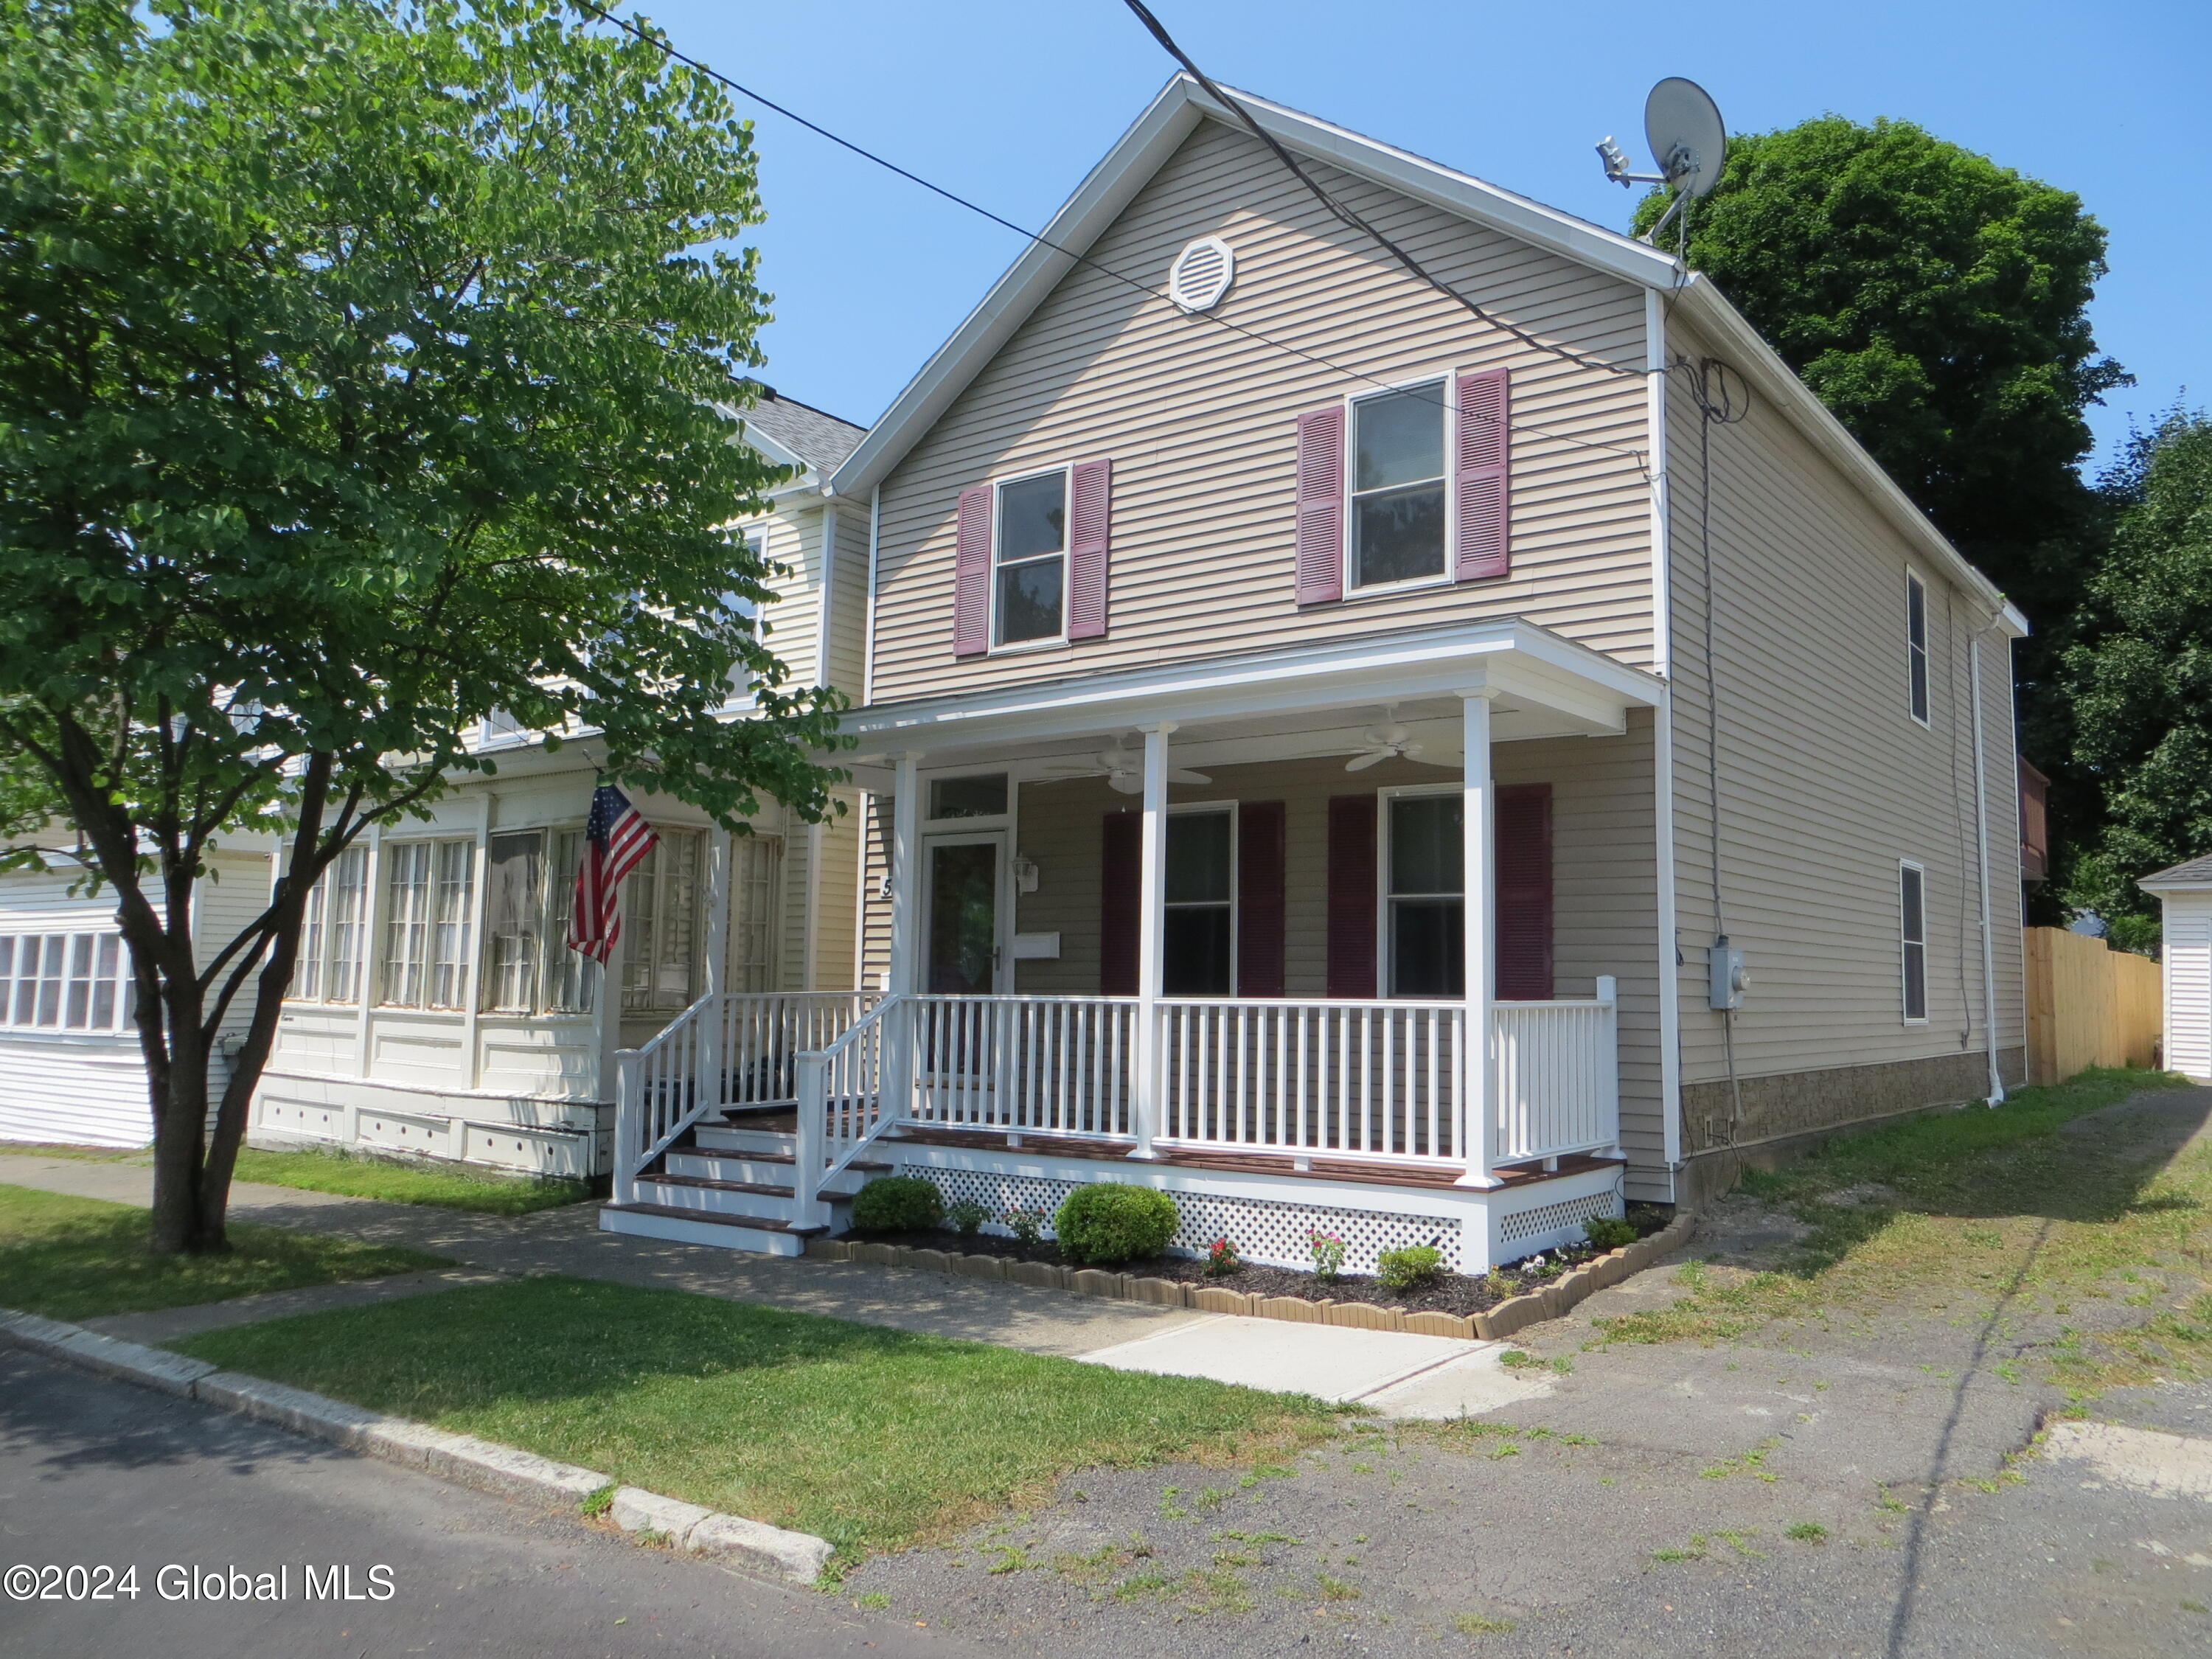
(1322, 1167)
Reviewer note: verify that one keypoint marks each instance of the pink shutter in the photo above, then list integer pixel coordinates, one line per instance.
(1523, 827)
(1121, 874)
(971, 574)
(1089, 523)
(1321, 505)
(1352, 821)
(1485, 448)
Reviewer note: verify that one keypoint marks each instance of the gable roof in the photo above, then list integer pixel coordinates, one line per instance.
(2197, 873)
(809, 436)
(1176, 113)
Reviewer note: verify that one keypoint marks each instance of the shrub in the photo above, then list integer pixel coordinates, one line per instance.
(898, 1204)
(1105, 1223)
(1410, 1268)
(1026, 1225)
(1609, 1232)
(966, 1217)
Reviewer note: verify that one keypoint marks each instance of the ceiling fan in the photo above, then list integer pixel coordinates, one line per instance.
(1124, 770)
(1385, 742)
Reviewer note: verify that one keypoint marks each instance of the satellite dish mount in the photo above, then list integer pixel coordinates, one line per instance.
(1682, 124)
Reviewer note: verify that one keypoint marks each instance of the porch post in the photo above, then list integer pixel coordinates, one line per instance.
(1480, 1150)
(900, 1028)
(714, 980)
(1151, 893)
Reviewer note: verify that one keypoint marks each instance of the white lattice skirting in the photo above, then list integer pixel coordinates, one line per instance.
(1474, 1230)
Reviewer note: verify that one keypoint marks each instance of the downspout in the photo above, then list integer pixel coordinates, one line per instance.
(1662, 736)
(1996, 1094)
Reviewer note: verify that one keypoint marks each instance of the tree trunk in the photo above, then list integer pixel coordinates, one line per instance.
(184, 1221)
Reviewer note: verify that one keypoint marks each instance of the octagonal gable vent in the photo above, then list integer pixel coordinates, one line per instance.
(1202, 274)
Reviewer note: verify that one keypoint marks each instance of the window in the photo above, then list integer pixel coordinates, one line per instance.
(429, 892)
(331, 929)
(1398, 486)
(983, 797)
(1198, 938)
(1425, 920)
(528, 967)
(65, 982)
(1029, 574)
(1916, 641)
(756, 892)
(1913, 925)
(662, 931)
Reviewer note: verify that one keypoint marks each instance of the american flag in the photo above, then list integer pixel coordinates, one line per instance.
(617, 838)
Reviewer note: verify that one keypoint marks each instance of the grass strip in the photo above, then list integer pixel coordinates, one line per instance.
(451, 1187)
(71, 1149)
(1965, 1209)
(80, 1258)
(870, 1437)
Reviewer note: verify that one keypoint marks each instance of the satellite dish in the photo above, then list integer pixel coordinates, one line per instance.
(1682, 124)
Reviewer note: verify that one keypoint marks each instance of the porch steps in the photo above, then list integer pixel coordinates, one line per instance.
(692, 1183)
(767, 1234)
(773, 1168)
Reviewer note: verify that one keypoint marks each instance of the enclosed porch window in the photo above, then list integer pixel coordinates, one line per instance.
(663, 932)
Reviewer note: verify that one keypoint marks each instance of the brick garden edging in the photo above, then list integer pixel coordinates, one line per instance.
(1550, 1301)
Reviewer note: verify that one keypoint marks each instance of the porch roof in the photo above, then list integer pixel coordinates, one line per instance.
(1270, 704)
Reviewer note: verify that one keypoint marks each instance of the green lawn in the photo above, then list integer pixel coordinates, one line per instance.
(78, 1258)
(1958, 1212)
(870, 1437)
(449, 1186)
(62, 1149)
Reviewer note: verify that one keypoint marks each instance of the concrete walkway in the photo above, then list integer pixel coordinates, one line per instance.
(1398, 1374)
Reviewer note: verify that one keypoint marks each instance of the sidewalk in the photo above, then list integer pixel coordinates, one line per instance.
(1398, 1374)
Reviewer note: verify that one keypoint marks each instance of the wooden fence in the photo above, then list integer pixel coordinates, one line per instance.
(2087, 1005)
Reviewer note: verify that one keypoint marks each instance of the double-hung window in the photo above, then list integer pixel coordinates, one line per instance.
(333, 927)
(1028, 575)
(1199, 937)
(1398, 511)
(1424, 895)
(65, 982)
(1916, 645)
(1913, 929)
(429, 899)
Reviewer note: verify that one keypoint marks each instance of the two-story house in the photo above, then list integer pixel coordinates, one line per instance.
(1423, 760)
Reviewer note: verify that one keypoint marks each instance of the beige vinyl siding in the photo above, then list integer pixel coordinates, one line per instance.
(1825, 779)
(845, 529)
(794, 539)
(837, 899)
(875, 952)
(1200, 423)
(1602, 877)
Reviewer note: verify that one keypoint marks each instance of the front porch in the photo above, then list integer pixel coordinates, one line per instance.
(1205, 1018)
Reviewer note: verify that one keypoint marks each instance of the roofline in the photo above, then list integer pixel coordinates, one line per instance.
(1176, 112)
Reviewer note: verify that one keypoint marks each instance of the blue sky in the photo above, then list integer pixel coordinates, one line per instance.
(1010, 104)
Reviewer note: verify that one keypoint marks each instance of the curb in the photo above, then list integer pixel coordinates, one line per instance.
(1554, 1299)
(506, 1471)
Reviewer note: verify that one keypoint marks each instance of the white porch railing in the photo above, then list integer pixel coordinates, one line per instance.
(728, 1049)
(1556, 1066)
(1351, 1079)
(1058, 1066)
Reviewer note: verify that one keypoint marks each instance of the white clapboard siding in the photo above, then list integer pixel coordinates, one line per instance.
(2189, 984)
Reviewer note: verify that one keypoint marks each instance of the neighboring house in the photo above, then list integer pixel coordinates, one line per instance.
(70, 1067)
(1204, 628)
(2185, 893)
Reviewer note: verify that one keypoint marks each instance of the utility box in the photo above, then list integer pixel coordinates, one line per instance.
(1728, 977)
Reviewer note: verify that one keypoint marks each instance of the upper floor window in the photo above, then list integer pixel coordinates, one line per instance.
(1200, 928)
(1398, 515)
(1915, 645)
(1030, 562)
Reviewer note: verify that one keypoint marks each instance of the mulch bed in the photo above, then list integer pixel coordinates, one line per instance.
(1448, 1294)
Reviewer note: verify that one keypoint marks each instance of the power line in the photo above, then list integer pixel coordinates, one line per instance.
(1350, 216)
(659, 41)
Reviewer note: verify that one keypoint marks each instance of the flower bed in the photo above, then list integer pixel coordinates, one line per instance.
(1447, 1293)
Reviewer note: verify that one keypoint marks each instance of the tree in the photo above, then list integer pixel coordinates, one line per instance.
(360, 374)
(2141, 679)
(1938, 304)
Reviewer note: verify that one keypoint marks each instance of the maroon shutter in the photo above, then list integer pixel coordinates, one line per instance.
(1524, 837)
(1121, 874)
(1484, 447)
(1352, 896)
(971, 574)
(1321, 505)
(1260, 848)
(1090, 521)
